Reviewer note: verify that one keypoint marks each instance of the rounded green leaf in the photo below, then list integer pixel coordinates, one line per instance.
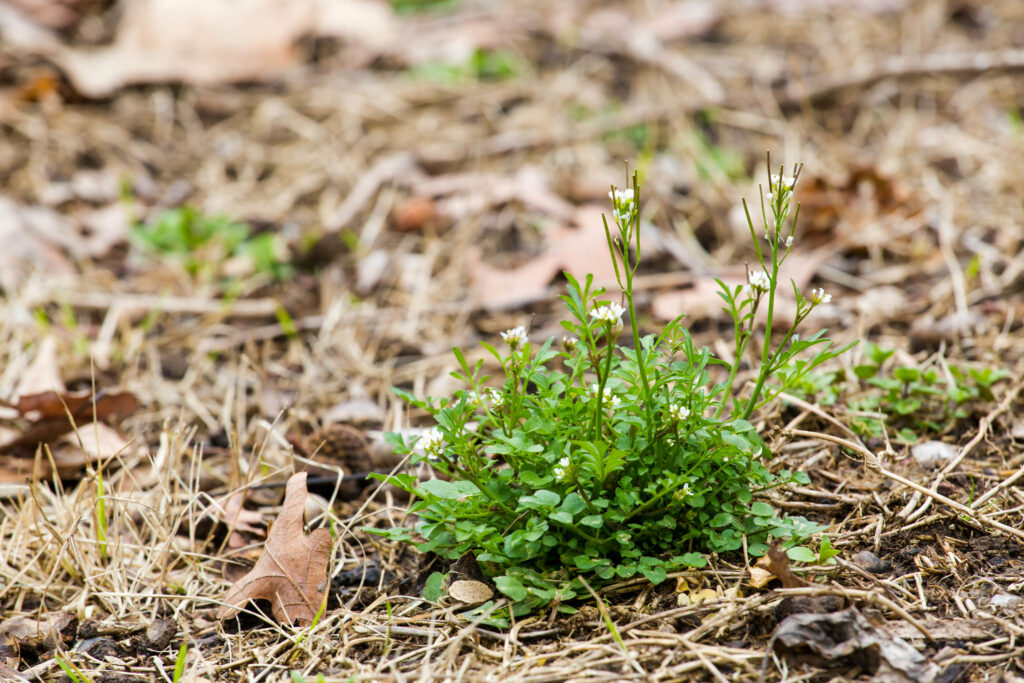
(512, 587)
(801, 554)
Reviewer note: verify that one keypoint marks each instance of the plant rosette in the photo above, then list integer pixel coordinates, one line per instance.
(604, 460)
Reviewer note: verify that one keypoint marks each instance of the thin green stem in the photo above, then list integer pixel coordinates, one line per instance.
(766, 347)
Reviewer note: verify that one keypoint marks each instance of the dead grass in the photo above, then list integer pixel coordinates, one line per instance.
(914, 212)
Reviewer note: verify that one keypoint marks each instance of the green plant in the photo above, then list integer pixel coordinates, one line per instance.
(481, 65)
(917, 400)
(604, 460)
(415, 6)
(180, 660)
(204, 243)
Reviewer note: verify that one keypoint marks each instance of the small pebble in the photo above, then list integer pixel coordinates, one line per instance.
(932, 453)
(1005, 600)
(870, 562)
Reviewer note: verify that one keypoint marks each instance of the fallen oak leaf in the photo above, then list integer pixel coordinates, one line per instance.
(63, 413)
(292, 571)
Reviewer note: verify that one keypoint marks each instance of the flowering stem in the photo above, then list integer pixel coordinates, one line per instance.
(766, 346)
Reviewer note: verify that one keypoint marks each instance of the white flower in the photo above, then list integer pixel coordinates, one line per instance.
(561, 467)
(612, 313)
(621, 197)
(569, 343)
(432, 443)
(515, 336)
(624, 216)
(608, 398)
(789, 242)
(686, 490)
(678, 412)
(497, 398)
(784, 182)
(818, 296)
(758, 280)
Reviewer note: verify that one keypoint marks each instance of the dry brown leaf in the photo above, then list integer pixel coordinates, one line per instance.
(774, 564)
(469, 591)
(292, 571)
(84, 408)
(579, 250)
(229, 509)
(19, 635)
(185, 41)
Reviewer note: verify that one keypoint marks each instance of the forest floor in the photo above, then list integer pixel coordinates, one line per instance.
(219, 253)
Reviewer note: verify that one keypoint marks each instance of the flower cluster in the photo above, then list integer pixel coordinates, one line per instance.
(625, 206)
(497, 398)
(758, 280)
(818, 296)
(609, 399)
(781, 184)
(678, 412)
(515, 336)
(432, 443)
(570, 343)
(610, 314)
(560, 469)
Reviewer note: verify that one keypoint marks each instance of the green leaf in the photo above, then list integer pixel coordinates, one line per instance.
(448, 490)
(562, 517)
(654, 574)
(801, 554)
(762, 509)
(573, 503)
(865, 371)
(432, 587)
(512, 587)
(405, 482)
(736, 440)
(721, 519)
(401, 534)
(548, 498)
(594, 521)
(825, 550)
(695, 560)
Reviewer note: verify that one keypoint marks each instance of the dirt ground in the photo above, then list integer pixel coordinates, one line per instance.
(417, 177)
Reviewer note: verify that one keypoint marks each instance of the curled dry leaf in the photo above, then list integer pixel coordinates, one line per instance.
(845, 638)
(21, 635)
(774, 565)
(292, 571)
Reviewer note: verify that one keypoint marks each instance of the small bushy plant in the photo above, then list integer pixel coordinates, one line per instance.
(608, 456)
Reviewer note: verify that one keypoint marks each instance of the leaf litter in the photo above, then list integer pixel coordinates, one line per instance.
(912, 215)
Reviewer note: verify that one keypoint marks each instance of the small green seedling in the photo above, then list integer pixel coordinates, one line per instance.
(205, 243)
